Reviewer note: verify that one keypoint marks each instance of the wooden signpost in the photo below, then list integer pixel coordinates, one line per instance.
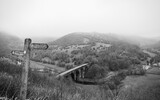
(28, 46)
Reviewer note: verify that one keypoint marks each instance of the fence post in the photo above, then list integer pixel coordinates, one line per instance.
(27, 49)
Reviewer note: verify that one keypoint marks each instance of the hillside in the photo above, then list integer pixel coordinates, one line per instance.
(8, 43)
(82, 38)
(102, 50)
(86, 38)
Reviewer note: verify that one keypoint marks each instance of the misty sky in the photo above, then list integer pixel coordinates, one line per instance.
(30, 18)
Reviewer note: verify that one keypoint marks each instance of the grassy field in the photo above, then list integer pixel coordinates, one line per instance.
(145, 87)
(39, 65)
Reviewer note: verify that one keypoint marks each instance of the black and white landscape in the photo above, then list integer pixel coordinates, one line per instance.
(97, 50)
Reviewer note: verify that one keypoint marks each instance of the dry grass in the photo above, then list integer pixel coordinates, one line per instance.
(141, 88)
(42, 86)
(45, 87)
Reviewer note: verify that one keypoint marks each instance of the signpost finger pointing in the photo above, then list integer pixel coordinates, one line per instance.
(18, 52)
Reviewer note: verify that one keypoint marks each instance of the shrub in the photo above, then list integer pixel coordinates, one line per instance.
(9, 85)
(10, 68)
(95, 72)
(61, 64)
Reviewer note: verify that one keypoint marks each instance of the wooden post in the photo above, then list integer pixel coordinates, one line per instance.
(26, 59)
(27, 49)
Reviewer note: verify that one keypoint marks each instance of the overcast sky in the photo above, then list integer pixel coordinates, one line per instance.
(30, 18)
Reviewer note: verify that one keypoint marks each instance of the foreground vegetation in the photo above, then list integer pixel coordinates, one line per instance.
(145, 87)
(45, 86)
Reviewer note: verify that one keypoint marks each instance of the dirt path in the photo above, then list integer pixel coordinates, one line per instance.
(145, 87)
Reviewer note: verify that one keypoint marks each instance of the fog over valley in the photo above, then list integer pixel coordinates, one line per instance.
(58, 18)
(80, 49)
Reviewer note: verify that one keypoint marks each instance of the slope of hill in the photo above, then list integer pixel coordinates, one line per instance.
(80, 38)
(8, 43)
(85, 38)
(73, 48)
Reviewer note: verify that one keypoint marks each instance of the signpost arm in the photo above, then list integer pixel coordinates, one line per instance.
(27, 49)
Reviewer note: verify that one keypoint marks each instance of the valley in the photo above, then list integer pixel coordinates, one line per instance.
(79, 49)
(119, 69)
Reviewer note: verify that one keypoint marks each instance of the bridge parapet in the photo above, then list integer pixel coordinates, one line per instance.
(80, 70)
